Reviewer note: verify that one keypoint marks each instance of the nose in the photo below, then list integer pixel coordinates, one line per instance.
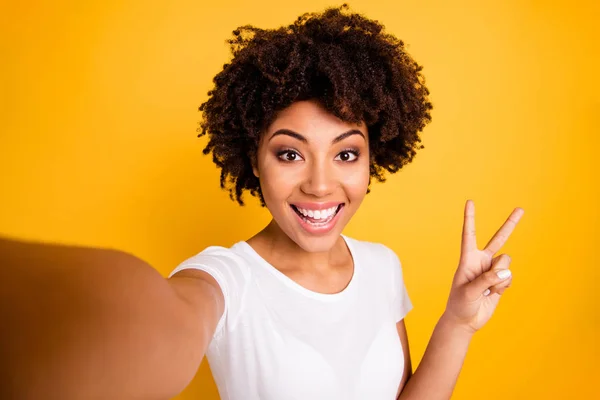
(320, 180)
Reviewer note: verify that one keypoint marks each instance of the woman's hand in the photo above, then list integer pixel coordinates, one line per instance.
(480, 278)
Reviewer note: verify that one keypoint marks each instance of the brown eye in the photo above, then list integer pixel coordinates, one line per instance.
(288, 156)
(347, 156)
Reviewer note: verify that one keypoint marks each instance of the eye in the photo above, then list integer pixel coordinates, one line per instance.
(289, 155)
(347, 156)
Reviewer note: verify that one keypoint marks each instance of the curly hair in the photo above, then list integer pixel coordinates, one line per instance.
(347, 62)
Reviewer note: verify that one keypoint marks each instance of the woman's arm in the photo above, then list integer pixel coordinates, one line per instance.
(479, 282)
(98, 324)
(440, 366)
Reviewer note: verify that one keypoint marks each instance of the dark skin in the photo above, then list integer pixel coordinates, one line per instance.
(317, 165)
(87, 323)
(81, 321)
(76, 320)
(96, 323)
(373, 80)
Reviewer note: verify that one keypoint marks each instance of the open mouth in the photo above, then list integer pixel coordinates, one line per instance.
(317, 217)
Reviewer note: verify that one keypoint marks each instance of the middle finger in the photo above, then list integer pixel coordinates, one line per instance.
(498, 240)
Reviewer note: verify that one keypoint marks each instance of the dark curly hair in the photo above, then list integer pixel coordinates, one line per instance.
(345, 61)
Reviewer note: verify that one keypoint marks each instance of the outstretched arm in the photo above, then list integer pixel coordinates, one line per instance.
(86, 323)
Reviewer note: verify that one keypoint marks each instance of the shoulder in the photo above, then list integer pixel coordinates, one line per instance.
(217, 260)
(231, 273)
(225, 265)
(376, 257)
(375, 252)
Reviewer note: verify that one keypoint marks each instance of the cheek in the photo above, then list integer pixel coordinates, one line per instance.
(275, 182)
(356, 182)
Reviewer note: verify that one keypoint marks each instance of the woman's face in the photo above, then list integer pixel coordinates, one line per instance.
(314, 173)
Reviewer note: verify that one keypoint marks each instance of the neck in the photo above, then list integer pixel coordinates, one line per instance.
(274, 244)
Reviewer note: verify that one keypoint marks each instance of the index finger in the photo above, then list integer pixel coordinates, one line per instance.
(469, 241)
(501, 236)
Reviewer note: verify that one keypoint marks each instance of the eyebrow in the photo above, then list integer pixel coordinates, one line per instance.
(301, 138)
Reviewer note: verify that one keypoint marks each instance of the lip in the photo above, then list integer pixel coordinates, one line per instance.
(317, 206)
(323, 229)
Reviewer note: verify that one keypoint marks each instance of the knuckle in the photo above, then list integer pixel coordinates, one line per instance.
(503, 258)
(491, 276)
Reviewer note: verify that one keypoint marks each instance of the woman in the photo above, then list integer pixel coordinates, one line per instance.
(303, 117)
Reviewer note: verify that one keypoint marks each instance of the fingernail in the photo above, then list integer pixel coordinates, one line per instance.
(503, 274)
(487, 291)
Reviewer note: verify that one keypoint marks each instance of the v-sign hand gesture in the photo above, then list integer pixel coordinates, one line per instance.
(480, 278)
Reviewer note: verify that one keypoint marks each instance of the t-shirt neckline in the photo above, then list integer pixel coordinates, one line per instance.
(299, 288)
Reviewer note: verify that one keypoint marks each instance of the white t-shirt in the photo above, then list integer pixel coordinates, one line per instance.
(278, 340)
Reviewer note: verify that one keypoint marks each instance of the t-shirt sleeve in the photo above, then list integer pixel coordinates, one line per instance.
(401, 303)
(230, 272)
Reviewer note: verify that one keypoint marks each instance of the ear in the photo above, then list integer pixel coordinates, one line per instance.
(254, 165)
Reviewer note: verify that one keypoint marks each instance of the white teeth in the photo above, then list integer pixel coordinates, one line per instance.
(318, 214)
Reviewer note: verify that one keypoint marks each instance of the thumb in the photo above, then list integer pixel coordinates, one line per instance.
(498, 272)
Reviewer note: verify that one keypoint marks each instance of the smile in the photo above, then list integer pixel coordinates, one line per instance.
(318, 220)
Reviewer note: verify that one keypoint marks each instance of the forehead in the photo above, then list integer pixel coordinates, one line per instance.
(310, 119)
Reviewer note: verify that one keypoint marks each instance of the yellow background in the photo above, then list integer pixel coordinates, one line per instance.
(98, 147)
